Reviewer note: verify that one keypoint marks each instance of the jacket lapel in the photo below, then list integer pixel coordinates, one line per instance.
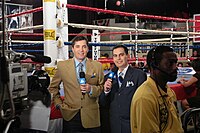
(73, 75)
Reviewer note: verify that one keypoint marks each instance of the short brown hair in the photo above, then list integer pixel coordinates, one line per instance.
(79, 38)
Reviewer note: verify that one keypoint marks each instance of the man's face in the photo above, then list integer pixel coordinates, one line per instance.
(168, 65)
(80, 50)
(38, 67)
(120, 58)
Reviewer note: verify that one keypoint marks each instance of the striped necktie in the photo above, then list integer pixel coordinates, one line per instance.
(80, 69)
(121, 78)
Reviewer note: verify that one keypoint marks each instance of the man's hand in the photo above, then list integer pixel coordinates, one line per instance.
(85, 88)
(107, 85)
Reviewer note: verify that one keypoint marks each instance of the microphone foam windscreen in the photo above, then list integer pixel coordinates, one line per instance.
(41, 59)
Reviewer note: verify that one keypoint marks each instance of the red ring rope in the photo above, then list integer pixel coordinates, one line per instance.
(128, 14)
(110, 60)
(25, 12)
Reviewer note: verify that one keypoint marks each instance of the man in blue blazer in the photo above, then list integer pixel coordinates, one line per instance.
(119, 90)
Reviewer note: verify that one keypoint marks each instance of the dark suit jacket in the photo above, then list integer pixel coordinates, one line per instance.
(73, 99)
(119, 99)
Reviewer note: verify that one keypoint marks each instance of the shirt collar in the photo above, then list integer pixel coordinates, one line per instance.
(124, 71)
(77, 62)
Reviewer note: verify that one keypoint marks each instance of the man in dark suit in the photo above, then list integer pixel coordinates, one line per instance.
(118, 91)
(80, 108)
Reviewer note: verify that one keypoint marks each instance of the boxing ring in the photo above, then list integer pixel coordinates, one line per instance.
(56, 41)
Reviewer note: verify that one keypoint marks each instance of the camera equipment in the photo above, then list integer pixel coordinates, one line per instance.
(37, 87)
(17, 89)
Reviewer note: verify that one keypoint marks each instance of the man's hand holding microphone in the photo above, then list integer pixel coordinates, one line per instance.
(108, 83)
(85, 87)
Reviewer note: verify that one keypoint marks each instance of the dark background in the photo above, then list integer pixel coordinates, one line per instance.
(171, 8)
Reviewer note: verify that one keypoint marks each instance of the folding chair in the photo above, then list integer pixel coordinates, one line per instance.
(191, 120)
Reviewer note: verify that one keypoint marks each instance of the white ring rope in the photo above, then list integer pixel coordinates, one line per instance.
(162, 40)
(148, 40)
(159, 40)
(95, 27)
(114, 28)
(24, 29)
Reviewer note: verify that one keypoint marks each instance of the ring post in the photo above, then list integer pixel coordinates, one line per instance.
(49, 29)
(95, 49)
(136, 39)
(188, 40)
(62, 17)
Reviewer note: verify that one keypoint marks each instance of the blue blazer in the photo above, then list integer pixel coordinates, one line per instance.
(119, 99)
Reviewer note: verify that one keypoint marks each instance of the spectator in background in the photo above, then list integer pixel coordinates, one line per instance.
(134, 65)
(188, 64)
(195, 53)
(180, 64)
(140, 65)
(112, 65)
(38, 67)
(119, 90)
(106, 66)
(195, 79)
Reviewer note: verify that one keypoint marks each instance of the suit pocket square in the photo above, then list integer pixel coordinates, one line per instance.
(129, 83)
(93, 75)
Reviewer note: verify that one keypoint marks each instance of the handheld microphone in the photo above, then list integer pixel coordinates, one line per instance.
(112, 73)
(35, 58)
(82, 80)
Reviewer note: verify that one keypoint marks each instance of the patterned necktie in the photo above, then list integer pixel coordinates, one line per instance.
(80, 69)
(121, 77)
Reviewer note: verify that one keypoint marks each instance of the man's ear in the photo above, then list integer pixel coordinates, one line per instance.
(73, 49)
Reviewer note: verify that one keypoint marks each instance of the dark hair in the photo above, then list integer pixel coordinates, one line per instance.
(106, 55)
(155, 55)
(196, 64)
(79, 38)
(121, 46)
(180, 63)
(188, 63)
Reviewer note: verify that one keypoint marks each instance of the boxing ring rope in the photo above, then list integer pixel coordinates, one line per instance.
(131, 31)
(24, 29)
(111, 12)
(23, 41)
(27, 34)
(71, 6)
(92, 27)
(24, 12)
(73, 34)
(136, 15)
